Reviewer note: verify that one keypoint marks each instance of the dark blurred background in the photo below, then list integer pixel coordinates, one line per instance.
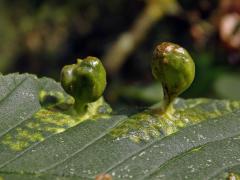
(42, 36)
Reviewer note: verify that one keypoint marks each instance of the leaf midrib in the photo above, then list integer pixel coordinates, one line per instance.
(158, 140)
(73, 154)
(134, 153)
(186, 153)
(5, 97)
(182, 154)
(86, 146)
(14, 89)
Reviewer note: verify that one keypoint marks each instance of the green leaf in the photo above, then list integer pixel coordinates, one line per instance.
(200, 140)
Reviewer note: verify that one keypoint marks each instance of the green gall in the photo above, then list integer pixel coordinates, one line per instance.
(174, 68)
(85, 81)
(55, 100)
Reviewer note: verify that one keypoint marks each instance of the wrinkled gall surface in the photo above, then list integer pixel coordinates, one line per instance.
(85, 81)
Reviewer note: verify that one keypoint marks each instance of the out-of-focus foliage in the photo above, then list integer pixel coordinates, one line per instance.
(42, 36)
(228, 86)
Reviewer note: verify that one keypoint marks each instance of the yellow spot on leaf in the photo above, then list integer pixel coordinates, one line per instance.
(146, 125)
(47, 122)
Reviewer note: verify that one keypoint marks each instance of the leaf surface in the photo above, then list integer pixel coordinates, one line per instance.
(200, 140)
